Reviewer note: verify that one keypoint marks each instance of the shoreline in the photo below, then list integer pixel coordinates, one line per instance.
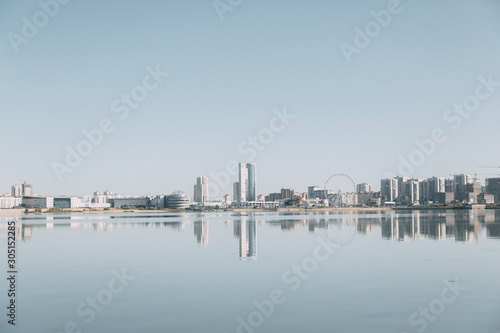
(4, 212)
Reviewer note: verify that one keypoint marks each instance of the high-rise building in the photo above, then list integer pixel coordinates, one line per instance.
(237, 192)
(493, 187)
(27, 189)
(463, 179)
(245, 189)
(464, 186)
(287, 193)
(17, 190)
(430, 188)
(389, 189)
(450, 185)
(364, 188)
(413, 191)
(201, 190)
(311, 191)
(402, 188)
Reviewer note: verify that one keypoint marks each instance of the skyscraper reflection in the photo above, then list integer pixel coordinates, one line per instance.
(201, 232)
(246, 231)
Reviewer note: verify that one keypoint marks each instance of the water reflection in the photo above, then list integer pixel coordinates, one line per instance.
(246, 231)
(201, 232)
(462, 225)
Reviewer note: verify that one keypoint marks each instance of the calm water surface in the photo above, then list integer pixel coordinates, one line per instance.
(421, 271)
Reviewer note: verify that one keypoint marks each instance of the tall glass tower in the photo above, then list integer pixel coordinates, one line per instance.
(245, 190)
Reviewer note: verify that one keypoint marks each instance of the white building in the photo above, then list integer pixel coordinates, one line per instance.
(17, 191)
(201, 190)
(10, 202)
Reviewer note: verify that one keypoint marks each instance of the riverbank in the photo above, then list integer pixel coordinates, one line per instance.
(303, 210)
(120, 211)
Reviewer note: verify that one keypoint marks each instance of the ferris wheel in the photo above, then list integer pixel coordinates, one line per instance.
(340, 190)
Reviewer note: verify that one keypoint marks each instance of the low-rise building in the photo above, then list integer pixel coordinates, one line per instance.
(10, 202)
(37, 202)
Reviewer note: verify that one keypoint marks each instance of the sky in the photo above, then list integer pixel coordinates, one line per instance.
(232, 67)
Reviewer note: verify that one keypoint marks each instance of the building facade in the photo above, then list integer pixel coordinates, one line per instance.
(246, 187)
(201, 190)
(493, 187)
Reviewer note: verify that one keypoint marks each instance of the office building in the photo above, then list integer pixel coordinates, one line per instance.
(177, 200)
(142, 202)
(201, 190)
(37, 202)
(17, 191)
(246, 187)
(27, 189)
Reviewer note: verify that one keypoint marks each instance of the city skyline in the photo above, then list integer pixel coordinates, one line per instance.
(400, 189)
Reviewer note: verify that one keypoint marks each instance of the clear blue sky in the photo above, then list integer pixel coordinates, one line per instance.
(225, 79)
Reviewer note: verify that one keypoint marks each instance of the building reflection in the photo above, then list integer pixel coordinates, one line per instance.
(246, 231)
(201, 232)
(287, 224)
(462, 225)
(317, 224)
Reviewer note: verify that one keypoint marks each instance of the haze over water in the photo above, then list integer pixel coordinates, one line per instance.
(218, 272)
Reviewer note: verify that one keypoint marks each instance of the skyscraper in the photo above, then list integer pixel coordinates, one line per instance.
(27, 189)
(389, 189)
(245, 189)
(17, 190)
(201, 190)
